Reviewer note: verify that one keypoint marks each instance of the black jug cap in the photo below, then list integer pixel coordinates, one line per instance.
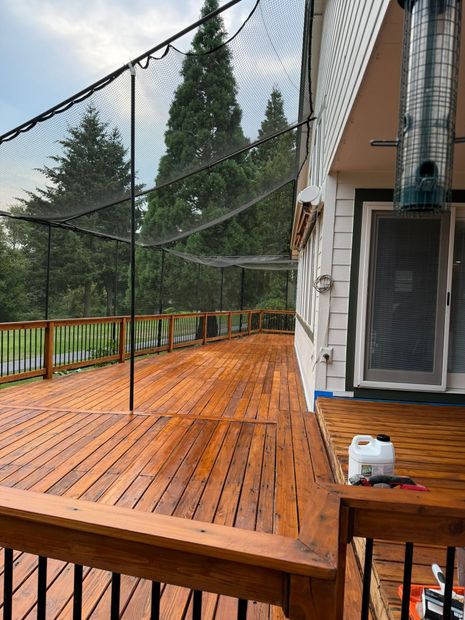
(383, 438)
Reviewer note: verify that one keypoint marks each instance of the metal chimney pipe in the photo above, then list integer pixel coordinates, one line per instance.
(428, 104)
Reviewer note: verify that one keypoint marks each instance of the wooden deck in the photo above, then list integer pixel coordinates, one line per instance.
(219, 435)
(429, 443)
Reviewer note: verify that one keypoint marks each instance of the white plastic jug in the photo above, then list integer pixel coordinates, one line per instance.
(369, 456)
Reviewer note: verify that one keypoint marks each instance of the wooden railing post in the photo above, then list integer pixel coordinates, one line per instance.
(204, 328)
(48, 350)
(249, 325)
(122, 339)
(171, 334)
(260, 321)
(229, 325)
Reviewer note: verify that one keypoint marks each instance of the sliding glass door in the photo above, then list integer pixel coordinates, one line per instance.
(405, 316)
(456, 358)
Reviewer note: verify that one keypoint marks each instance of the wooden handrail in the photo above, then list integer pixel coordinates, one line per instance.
(114, 347)
(341, 512)
(215, 558)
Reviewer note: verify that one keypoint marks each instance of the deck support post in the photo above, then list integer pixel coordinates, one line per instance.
(249, 324)
(260, 322)
(229, 325)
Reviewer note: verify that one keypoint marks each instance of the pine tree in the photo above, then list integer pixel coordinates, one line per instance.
(91, 170)
(204, 123)
(13, 291)
(270, 221)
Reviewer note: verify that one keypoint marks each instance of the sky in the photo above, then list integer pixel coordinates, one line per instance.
(50, 49)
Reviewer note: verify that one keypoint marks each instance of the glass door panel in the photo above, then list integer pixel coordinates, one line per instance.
(456, 361)
(406, 299)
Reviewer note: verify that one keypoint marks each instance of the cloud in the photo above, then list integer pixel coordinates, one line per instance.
(104, 36)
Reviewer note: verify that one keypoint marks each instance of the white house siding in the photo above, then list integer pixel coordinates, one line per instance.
(350, 29)
(339, 296)
(325, 314)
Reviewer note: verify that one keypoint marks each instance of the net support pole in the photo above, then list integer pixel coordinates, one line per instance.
(287, 290)
(242, 287)
(47, 276)
(133, 238)
(197, 291)
(160, 293)
(115, 283)
(242, 296)
(221, 289)
(162, 276)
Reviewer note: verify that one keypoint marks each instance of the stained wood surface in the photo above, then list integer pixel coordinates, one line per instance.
(219, 434)
(429, 442)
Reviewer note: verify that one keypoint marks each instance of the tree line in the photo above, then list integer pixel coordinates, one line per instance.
(89, 274)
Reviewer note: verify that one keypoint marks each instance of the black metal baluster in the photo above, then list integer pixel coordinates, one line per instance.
(450, 566)
(72, 343)
(241, 609)
(8, 585)
(367, 579)
(155, 602)
(8, 352)
(42, 588)
(408, 560)
(197, 605)
(20, 334)
(115, 595)
(59, 344)
(30, 349)
(14, 351)
(41, 340)
(77, 592)
(1, 354)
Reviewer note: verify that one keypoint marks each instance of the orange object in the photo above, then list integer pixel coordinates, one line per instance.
(415, 598)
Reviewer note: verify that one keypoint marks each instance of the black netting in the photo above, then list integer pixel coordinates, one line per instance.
(195, 106)
(219, 118)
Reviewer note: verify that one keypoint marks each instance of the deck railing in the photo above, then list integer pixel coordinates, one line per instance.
(202, 557)
(40, 348)
(343, 515)
(306, 576)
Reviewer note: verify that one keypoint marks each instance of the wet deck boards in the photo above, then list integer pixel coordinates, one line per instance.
(429, 442)
(218, 435)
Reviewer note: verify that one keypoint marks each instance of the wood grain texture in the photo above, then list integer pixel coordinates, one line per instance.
(429, 441)
(219, 435)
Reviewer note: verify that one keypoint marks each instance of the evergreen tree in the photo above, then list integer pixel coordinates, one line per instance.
(204, 123)
(13, 292)
(91, 170)
(270, 221)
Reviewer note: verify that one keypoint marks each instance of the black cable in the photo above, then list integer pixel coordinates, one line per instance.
(197, 170)
(89, 90)
(227, 42)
